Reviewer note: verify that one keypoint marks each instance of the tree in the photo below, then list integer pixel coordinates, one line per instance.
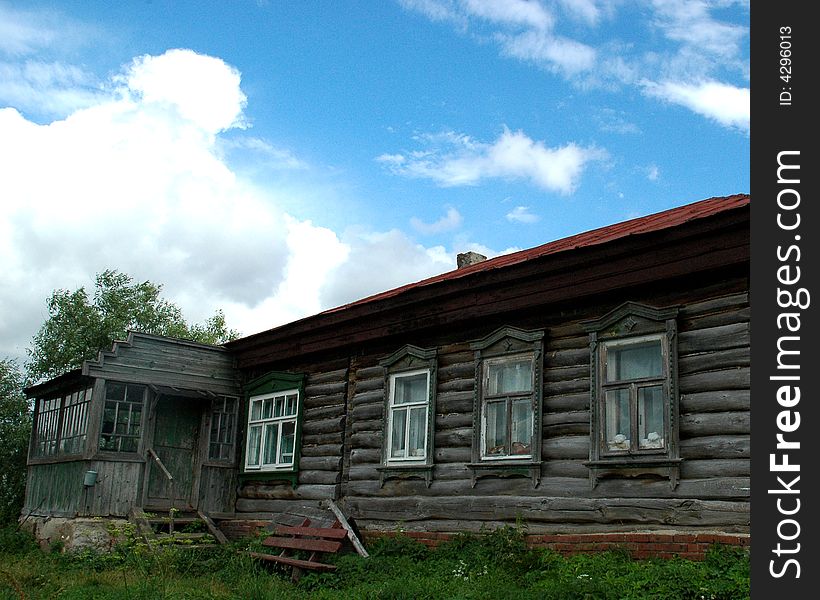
(77, 329)
(15, 427)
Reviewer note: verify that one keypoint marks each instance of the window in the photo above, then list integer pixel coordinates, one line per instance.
(272, 435)
(507, 405)
(62, 424)
(507, 427)
(122, 417)
(223, 428)
(272, 430)
(634, 396)
(409, 394)
(409, 414)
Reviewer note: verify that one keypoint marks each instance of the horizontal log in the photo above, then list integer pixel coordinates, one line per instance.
(463, 370)
(726, 379)
(454, 438)
(567, 402)
(713, 338)
(365, 398)
(646, 512)
(453, 455)
(286, 492)
(715, 401)
(327, 377)
(568, 387)
(714, 423)
(456, 385)
(711, 361)
(715, 446)
(719, 467)
(320, 439)
(326, 389)
(369, 372)
(455, 354)
(367, 412)
(718, 305)
(321, 450)
(268, 510)
(569, 357)
(366, 439)
(565, 447)
(317, 426)
(368, 385)
(728, 317)
(320, 477)
(359, 456)
(329, 400)
(453, 420)
(565, 468)
(325, 412)
(371, 425)
(320, 463)
(565, 423)
(455, 402)
(364, 472)
(565, 374)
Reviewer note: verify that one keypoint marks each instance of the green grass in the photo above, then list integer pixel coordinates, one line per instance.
(494, 566)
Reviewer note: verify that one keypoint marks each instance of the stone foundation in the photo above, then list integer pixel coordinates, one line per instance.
(81, 533)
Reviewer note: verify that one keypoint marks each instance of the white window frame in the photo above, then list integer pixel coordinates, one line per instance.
(263, 425)
(393, 409)
(508, 398)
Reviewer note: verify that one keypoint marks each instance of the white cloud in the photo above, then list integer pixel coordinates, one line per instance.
(522, 214)
(510, 12)
(450, 221)
(456, 160)
(584, 10)
(725, 104)
(137, 182)
(565, 55)
(653, 172)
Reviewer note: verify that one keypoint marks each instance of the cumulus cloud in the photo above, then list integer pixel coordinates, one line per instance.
(522, 214)
(450, 221)
(452, 159)
(137, 181)
(725, 104)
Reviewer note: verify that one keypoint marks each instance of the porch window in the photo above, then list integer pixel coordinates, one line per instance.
(272, 430)
(62, 424)
(408, 412)
(223, 428)
(122, 417)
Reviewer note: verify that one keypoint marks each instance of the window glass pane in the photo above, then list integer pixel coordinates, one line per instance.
(288, 439)
(416, 435)
(634, 361)
(398, 443)
(135, 393)
(521, 427)
(290, 405)
(410, 388)
(271, 443)
(278, 406)
(254, 443)
(256, 410)
(616, 410)
(115, 391)
(495, 435)
(267, 408)
(650, 417)
(510, 376)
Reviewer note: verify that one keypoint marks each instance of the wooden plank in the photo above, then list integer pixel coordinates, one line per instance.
(334, 533)
(354, 539)
(215, 531)
(294, 562)
(302, 544)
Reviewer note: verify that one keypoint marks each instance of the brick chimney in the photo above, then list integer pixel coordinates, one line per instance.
(465, 259)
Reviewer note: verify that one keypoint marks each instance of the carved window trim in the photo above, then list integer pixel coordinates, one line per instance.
(502, 345)
(634, 322)
(407, 361)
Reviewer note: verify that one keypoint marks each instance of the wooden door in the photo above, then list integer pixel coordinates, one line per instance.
(178, 422)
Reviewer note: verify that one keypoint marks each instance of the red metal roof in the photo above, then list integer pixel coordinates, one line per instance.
(650, 223)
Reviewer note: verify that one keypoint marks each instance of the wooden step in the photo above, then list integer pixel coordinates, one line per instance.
(294, 562)
(313, 545)
(323, 532)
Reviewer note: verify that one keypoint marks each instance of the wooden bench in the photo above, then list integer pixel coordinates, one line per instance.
(316, 540)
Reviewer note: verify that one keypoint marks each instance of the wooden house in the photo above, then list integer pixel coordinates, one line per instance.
(593, 388)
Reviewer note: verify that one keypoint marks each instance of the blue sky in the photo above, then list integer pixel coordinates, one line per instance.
(276, 158)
